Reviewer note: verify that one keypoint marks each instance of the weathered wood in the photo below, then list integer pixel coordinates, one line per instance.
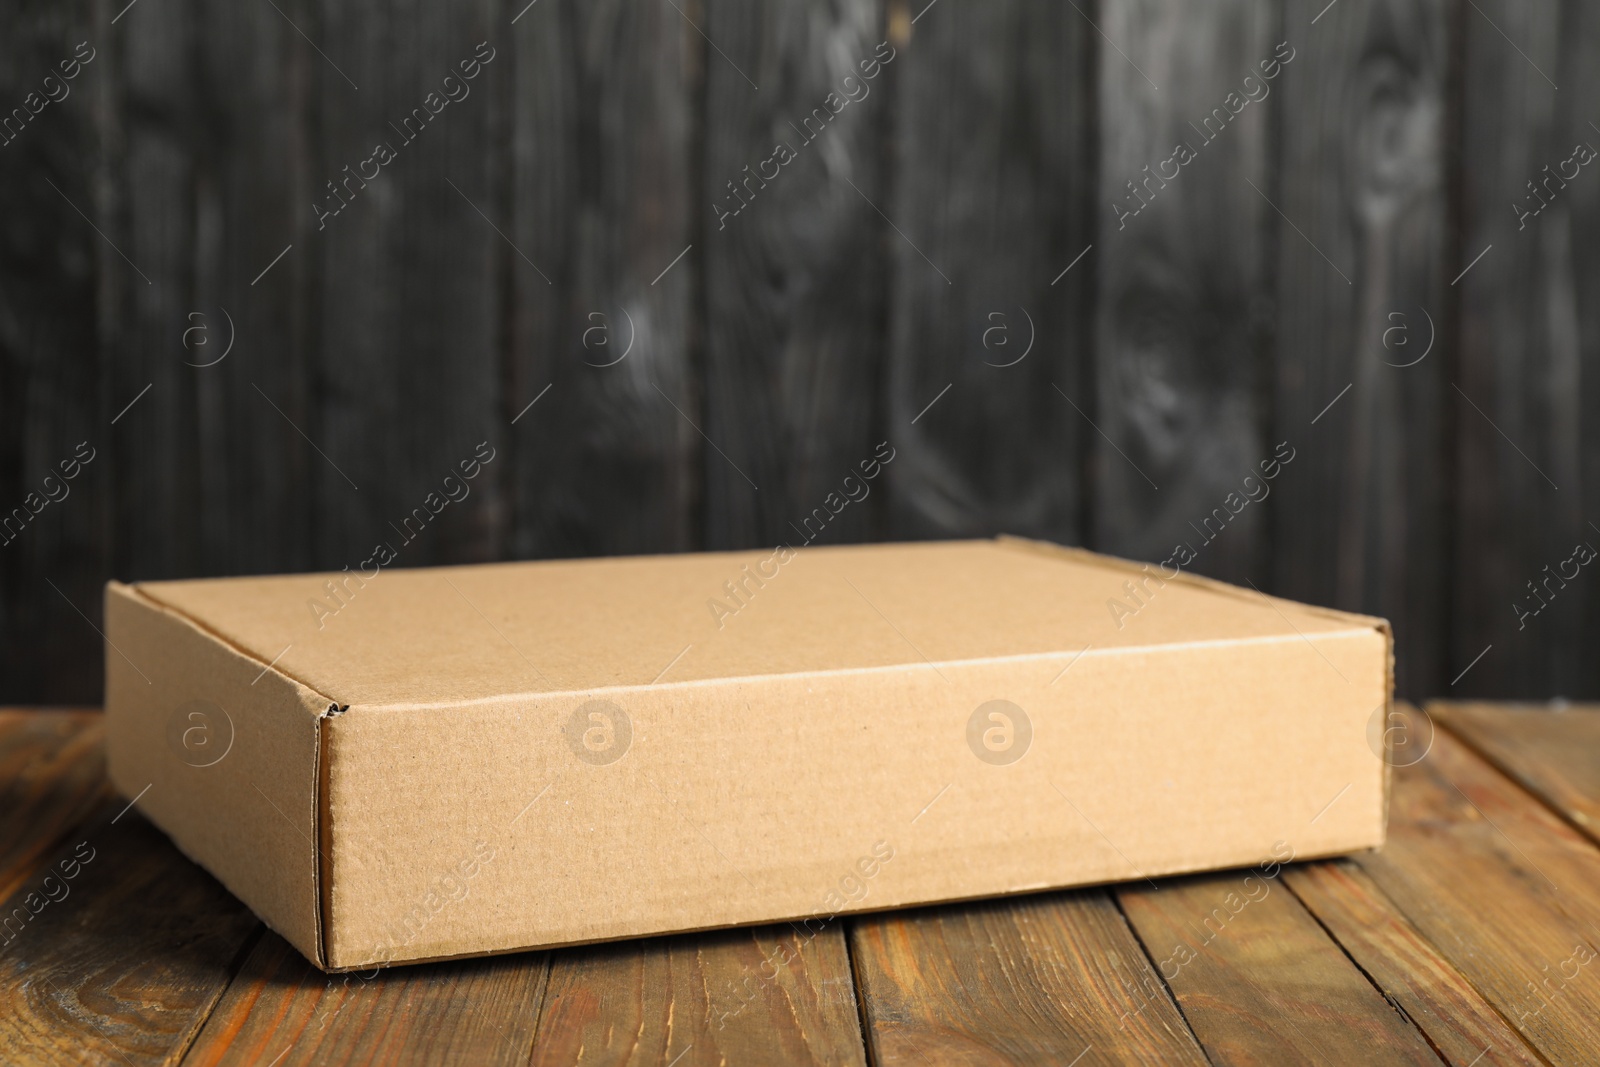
(1259, 980)
(602, 133)
(1505, 891)
(149, 125)
(252, 195)
(52, 776)
(1362, 295)
(281, 1010)
(1551, 751)
(126, 957)
(50, 381)
(1458, 1022)
(1056, 979)
(1182, 256)
(772, 995)
(988, 209)
(795, 267)
(1525, 487)
(408, 353)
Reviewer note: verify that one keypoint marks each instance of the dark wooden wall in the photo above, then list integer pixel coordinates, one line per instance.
(881, 288)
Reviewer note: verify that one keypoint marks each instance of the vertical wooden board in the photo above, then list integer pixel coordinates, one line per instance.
(246, 331)
(407, 362)
(772, 995)
(1525, 451)
(794, 266)
(988, 327)
(1551, 751)
(1503, 888)
(602, 133)
(1260, 981)
(125, 957)
(1364, 319)
(1057, 979)
(52, 776)
(1463, 1027)
(1183, 259)
(281, 1010)
(50, 399)
(151, 129)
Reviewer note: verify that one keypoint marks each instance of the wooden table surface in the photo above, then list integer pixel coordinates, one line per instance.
(1469, 939)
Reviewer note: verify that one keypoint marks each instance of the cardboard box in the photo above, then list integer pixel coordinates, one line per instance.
(400, 765)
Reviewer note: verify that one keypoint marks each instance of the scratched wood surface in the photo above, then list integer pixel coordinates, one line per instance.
(1470, 939)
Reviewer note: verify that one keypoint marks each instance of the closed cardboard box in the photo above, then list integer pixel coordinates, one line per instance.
(399, 765)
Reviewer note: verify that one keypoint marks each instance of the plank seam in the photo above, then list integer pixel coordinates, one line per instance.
(235, 968)
(1509, 773)
(1116, 902)
(867, 1052)
(1384, 993)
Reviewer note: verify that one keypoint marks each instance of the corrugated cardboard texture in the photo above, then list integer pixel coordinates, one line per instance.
(249, 817)
(773, 751)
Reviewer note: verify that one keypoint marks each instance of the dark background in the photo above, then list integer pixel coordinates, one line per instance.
(861, 285)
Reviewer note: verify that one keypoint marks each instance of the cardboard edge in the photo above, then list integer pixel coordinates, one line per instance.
(1012, 542)
(847, 913)
(134, 596)
(1103, 561)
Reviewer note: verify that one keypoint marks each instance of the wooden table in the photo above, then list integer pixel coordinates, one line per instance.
(1467, 939)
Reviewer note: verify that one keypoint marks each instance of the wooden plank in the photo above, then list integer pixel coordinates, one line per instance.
(1525, 487)
(283, 1011)
(127, 949)
(1057, 979)
(252, 201)
(50, 399)
(602, 133)
(407, 361)
(1259, 980)
(1461, 1026)
(1362, 294)
(1503, 888)
(1182, 256)
(770, 995)
(795, 267)
(992, 174)
(1552, 751)
(52, 777)
(147, 288)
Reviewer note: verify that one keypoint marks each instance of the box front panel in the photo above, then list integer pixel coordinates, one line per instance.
(509, 824)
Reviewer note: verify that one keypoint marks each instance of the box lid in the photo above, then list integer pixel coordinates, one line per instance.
(453, 634)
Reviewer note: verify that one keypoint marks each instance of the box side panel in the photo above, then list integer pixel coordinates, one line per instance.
(221, 753)
(502, 825)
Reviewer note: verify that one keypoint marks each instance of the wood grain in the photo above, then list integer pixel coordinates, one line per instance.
(1529, 336)
(795, 267)
(51, 395)
(1362, 181)
(992, 176)
(1552, 751)
(1503, 888)
(1057, 979)
(252, 189)
(1259, 980)
(1461, 1026)
(148, 127)
(602, 129)
(126, 956)
(771, 995)
(407, 353)
(52, 776)
(1179, 323)
(282, 1010)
